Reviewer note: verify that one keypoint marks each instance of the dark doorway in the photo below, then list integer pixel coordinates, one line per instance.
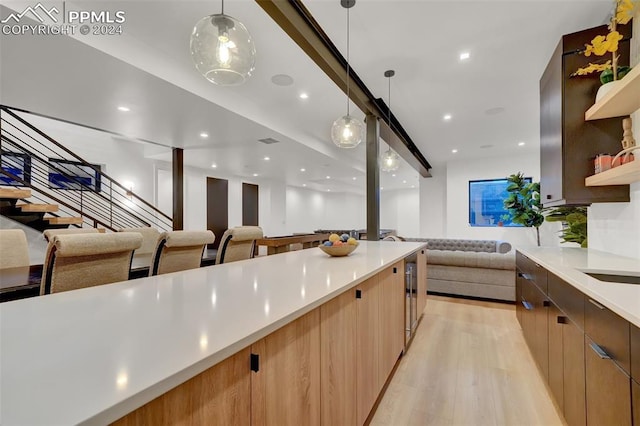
(249, 204)
(217, 208)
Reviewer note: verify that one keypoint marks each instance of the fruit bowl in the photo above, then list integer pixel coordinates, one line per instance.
(337, 251)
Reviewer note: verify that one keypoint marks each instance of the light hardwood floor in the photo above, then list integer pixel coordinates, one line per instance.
(468, 365)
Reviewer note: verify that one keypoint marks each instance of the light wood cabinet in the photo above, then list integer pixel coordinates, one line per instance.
(220, 395)
(391, 312)
(368, 381)
(286, 388)
(422, 281)
(338, 360)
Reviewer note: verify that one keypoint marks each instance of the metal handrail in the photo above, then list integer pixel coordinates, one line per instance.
(112, 202)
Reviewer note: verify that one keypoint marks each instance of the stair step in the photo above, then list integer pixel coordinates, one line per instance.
(38, 208)
(67, 220)
(14, 193)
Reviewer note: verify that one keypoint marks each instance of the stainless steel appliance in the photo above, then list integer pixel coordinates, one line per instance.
(411, 297)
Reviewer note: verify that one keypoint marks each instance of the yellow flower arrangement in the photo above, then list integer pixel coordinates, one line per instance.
(601, 45)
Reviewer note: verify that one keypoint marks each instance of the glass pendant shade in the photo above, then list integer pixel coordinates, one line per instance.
(347, 132)
(390, 161)
(222, 50)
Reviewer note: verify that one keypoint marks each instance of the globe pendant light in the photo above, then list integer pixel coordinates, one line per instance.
(347, 131)
(222, 49)
(390, 161)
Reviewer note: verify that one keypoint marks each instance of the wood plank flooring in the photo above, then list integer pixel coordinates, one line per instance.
(468, 365)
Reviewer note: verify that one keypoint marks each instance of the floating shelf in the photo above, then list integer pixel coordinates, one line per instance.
(621, 175)
(622, 100)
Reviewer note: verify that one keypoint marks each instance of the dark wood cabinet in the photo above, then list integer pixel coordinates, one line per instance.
(635, 395)
(608, 389)
(573, 365)
(635, 354)
(534, 324)
(556, 321)
(568, 143)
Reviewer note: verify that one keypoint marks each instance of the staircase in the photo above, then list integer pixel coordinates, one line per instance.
(45, 185)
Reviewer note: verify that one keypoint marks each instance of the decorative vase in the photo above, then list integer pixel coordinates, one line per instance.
(605, 88)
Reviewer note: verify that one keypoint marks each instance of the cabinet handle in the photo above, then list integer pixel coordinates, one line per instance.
(599, 351)
(546, 303)
(549, 196)
(525, 276)
(562, 319)
(395, 270)
(255, 362)
(528, 306)
(596, 304)
(358, 294)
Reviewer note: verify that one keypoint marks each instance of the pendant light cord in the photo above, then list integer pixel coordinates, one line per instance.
(348, 62)
(389, 110)
(222, 7)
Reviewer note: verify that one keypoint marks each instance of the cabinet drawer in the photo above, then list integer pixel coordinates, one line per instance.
(635, 395)
(568, 299)
(609, 331)
(532, 271)
(635, 355)
(608, 388)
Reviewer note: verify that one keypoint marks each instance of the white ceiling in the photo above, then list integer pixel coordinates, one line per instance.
(509, 42)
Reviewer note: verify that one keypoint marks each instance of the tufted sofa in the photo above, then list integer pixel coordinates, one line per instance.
(477, 268)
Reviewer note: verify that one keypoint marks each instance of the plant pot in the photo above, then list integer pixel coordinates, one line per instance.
(605, 88)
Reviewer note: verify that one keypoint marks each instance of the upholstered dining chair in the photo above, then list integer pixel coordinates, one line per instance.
(48, 234)
(150, 238)
(14, 250)
(179, 250)
(238, 243)
(75, 261)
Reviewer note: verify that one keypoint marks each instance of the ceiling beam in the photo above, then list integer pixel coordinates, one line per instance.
(296, 20)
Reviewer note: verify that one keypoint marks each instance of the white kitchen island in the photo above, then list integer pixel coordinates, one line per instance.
(91, 356)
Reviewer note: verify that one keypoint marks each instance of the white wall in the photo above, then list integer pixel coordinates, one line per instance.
(308, 210)
(459, 173)
(433, 204)
(615, 227)
(400, 210)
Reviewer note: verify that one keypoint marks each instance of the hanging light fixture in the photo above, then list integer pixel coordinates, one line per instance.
(222, 49)
(347, 131)
(390, 161)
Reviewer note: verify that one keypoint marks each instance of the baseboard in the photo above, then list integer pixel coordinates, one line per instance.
(483, 299)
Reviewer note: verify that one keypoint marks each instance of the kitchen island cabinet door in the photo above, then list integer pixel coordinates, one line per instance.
(422, 281)
(392, 321)
(338, 360)
(557, 320)
(635, 391)
(368, 382)
(286, 388)
(220, 395)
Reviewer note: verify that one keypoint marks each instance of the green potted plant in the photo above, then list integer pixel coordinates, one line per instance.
(574, 221)
(523, 203)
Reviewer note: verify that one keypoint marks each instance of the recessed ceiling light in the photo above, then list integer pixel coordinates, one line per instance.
(328, 177)
(355, 178)
(282, 80)
(464, 56)
(447, 117)
(255, 175)
(404, 181)
(328, 190)
(304, 184)
(204, 135)
(304, 96)
(521, 143)
(454, 150)
(413, 186)
(213, 166)
(303, 170)
(381, 188)
(124, 109)
(267, 158)
(393, 175)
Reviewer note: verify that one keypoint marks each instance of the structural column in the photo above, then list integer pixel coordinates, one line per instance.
(177, 170)
(373, 179)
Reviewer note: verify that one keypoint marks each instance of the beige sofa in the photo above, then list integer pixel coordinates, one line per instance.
(476, 268)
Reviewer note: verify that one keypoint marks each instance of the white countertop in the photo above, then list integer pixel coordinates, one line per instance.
(570, 265)
(91, 356)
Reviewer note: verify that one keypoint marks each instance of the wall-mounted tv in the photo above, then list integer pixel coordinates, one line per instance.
(73, 175)
(18, 164)
(486, 202)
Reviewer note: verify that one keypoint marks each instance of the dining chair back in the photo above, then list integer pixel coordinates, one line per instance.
(75, 261)
(14, 250)
(48, 234)
(238, 244)
(179, 251)
(150, 238)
